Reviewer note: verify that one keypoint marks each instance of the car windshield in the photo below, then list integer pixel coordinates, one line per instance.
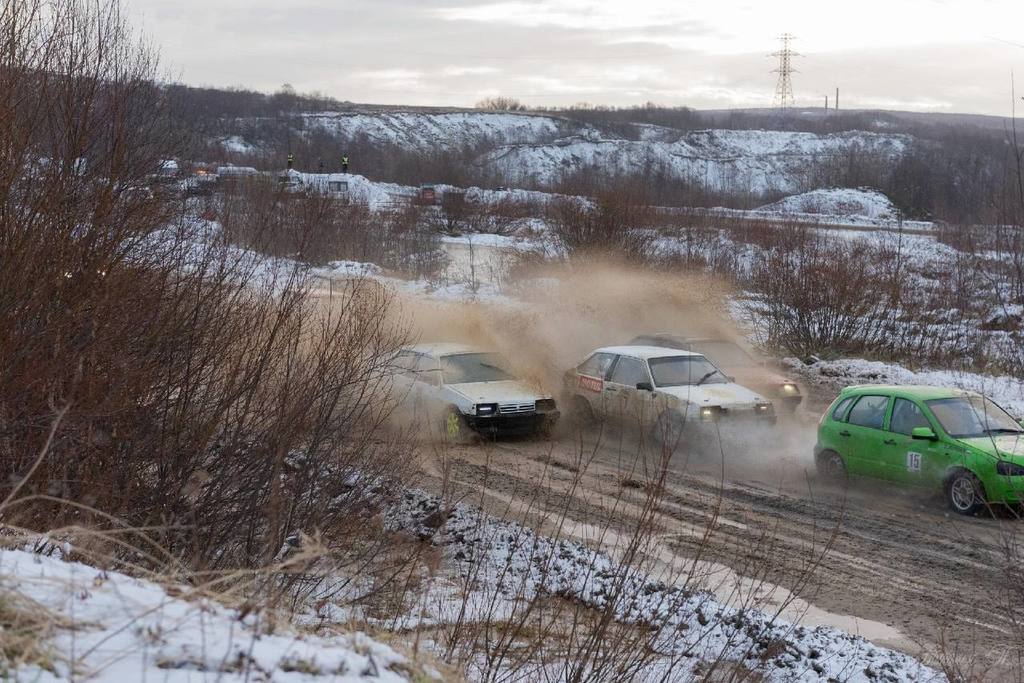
(966, 417)
(474, 367)
(677, 371)
(725, 353)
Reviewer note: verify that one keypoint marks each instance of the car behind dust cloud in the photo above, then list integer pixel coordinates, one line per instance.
(464, 390)
(681, 397)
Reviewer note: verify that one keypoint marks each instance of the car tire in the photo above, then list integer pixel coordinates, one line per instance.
(582, 412)
(545, 430)
(667, 431)
(964, 493)
(454, 428)
(831, 466)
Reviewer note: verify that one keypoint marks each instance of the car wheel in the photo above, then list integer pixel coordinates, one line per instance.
(545, 430)
(964, 493)
(668, 430)
(454, 428)
(831, 466)
(582, 412)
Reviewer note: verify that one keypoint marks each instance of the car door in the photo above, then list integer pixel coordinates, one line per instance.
(623, 400)
(834, 422)
(426, 385)
(911, 461)
(865, 435)
(591, 376)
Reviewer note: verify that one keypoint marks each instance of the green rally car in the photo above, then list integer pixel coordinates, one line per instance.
(948, 439)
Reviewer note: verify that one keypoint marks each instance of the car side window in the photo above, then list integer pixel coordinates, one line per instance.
(630, 372)
(906, 416)
(405, 363)
(597, 365)
(869, 411)
(427, 370)
(839, 412)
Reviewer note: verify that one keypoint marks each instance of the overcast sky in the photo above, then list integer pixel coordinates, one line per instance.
(933, 55)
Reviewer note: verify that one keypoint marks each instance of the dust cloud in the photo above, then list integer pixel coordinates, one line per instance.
(568, 310)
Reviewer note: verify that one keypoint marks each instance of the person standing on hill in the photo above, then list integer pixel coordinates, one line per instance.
(344, 163)
(291, 160)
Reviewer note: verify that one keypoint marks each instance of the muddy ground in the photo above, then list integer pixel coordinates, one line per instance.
(755, 525)
(891, 565)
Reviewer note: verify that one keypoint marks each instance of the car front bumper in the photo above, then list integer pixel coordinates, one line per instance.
(494, 425)
(1003, 489)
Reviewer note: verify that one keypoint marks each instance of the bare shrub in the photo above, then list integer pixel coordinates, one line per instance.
(819, 296)
(148, 370)
(501, 103)
(317, 229)
(617, 223)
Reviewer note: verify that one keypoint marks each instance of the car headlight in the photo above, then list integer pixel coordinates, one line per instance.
(790, 389)
(1009, 469)
(486, 409)
(709, 412)
(545, 405)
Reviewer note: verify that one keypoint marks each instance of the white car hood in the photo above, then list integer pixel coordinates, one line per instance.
(507, 391)
(729, 395)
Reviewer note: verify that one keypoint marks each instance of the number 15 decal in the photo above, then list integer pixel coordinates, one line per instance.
(913, 461)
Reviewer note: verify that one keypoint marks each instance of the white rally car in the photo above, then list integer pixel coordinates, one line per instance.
(464, 389)
(680, 395)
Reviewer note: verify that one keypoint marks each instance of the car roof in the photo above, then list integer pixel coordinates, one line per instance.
(921, 392)
(644, 352)
(682, 338)
(439, 349)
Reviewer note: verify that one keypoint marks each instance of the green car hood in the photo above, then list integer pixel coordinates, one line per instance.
(1002, 446)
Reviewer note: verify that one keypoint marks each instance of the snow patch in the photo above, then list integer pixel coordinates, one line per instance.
(504, 564)
(1006, 391)
(128, 629)
(237, 145)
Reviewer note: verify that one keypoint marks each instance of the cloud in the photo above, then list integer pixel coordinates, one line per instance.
(456, 71)
(922, 53)
(575, 14)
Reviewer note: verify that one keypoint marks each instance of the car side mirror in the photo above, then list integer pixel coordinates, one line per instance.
(923, 433)
(644, 386)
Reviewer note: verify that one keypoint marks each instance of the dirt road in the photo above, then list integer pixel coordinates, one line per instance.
(895, 567)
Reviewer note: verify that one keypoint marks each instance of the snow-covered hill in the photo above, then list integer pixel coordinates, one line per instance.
(541, 149)
(753, 161)
(861, 202)
(427, 131)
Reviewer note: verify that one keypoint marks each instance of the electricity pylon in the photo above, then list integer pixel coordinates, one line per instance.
(784, 87)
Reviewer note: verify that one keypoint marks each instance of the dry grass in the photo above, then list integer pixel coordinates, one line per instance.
(25, 627)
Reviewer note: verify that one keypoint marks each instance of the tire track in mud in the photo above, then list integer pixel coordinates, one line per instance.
(895, 559)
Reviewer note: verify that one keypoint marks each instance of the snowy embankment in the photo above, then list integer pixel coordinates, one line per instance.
(427, 131)
(1006, 391)
(378, 196)
(862, 202)
(507, 566)
(841, 206)
(747, 161)
(108, 627)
